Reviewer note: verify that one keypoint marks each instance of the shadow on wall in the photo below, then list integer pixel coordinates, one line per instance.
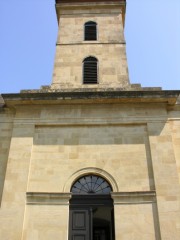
(108, 134)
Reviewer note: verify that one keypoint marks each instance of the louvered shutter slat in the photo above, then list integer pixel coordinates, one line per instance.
(90, 71)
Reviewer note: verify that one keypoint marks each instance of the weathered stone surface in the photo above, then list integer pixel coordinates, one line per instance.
(1, 101)
(70, 96)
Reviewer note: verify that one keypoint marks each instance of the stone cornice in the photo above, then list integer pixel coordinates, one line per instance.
(84, 1)
(46, 198)
(88, 96)
(133, 197)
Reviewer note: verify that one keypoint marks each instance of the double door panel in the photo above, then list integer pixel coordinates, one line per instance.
(83, 226)
(80, 224)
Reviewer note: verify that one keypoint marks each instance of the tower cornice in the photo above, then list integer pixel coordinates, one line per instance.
(68, 4)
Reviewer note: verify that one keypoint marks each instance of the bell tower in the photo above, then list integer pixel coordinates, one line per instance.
(91, 50)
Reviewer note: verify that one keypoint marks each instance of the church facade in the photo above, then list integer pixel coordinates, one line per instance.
(91, 156)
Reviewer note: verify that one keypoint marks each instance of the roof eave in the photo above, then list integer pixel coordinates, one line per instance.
(168, 96)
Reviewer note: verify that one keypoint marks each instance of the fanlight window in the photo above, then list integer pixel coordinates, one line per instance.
(90, 70)
(90, 31)
(91, 184)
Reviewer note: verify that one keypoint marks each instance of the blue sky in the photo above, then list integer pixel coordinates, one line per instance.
(28, 32)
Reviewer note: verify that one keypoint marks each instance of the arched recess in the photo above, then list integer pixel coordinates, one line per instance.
(91, 170)
(91, 209)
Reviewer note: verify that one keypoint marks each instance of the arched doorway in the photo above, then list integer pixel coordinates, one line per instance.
(91, 215)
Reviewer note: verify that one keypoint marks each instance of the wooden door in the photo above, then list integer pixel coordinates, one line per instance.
(80, 224)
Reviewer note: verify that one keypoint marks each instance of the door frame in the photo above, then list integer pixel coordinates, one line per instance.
(86, 202)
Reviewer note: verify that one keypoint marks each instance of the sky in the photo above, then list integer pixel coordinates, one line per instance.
(28, 33)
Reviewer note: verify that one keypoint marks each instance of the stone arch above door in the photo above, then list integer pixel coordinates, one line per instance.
(85, 171)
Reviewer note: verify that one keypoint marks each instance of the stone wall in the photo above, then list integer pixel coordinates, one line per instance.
(6, 118)
(134, 146)
(109, 27)
(112, 68)
(109, 48)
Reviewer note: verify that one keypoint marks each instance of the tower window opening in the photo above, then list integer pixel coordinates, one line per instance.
(90, 31)
(90, 70)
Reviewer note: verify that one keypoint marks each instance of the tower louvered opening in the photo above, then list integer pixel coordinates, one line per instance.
(90, 73)
(90, 33)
